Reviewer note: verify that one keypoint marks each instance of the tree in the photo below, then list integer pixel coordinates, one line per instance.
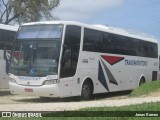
(26, 10)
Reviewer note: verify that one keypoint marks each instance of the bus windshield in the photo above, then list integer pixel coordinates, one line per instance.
(36, 55)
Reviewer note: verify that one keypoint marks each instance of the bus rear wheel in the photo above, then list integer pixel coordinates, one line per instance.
(87, 91)
(142, 81)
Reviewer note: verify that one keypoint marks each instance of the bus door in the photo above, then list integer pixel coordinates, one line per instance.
(68, 77)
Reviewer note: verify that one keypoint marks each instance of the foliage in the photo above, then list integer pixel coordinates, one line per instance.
(26, 10)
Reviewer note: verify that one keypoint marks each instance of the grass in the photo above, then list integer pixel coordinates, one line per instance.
(140, 107)
(146, 89)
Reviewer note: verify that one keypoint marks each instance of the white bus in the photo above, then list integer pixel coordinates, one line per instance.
(64, 58)
(7, 35)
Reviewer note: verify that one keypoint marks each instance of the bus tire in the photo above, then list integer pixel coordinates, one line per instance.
(87, 90)
(142, 81)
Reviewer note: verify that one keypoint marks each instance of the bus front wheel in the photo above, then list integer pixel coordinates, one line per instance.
(87, 90)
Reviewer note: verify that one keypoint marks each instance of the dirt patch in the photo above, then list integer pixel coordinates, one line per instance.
(10, 102)
(155, 94)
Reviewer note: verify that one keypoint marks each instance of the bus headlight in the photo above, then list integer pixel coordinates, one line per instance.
(12, 80)
(48, 82)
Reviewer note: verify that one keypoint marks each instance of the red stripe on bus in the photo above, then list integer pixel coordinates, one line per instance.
(112, 59)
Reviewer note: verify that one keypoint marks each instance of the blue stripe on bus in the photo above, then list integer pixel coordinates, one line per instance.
(109, 74)
(101, 77)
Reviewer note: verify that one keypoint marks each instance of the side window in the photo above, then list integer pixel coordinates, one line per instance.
(107, 43)
(144, 49)
(148, 49)
(70, 51)
(1, 40)
(92, 40)
(119, 44)
(132, 46)
(159, 62)
(9, 38)
(114, 44)
(153, 50)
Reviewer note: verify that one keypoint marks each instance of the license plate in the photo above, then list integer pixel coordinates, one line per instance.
(28, 90)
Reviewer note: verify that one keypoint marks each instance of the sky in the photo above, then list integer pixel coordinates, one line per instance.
(140, 16)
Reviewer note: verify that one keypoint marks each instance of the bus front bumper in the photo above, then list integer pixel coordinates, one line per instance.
(42, 91)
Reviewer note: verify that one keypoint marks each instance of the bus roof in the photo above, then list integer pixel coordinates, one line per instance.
(113, 30)
(8, 27)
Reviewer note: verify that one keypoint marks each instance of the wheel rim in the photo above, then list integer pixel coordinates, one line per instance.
(85, 90)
